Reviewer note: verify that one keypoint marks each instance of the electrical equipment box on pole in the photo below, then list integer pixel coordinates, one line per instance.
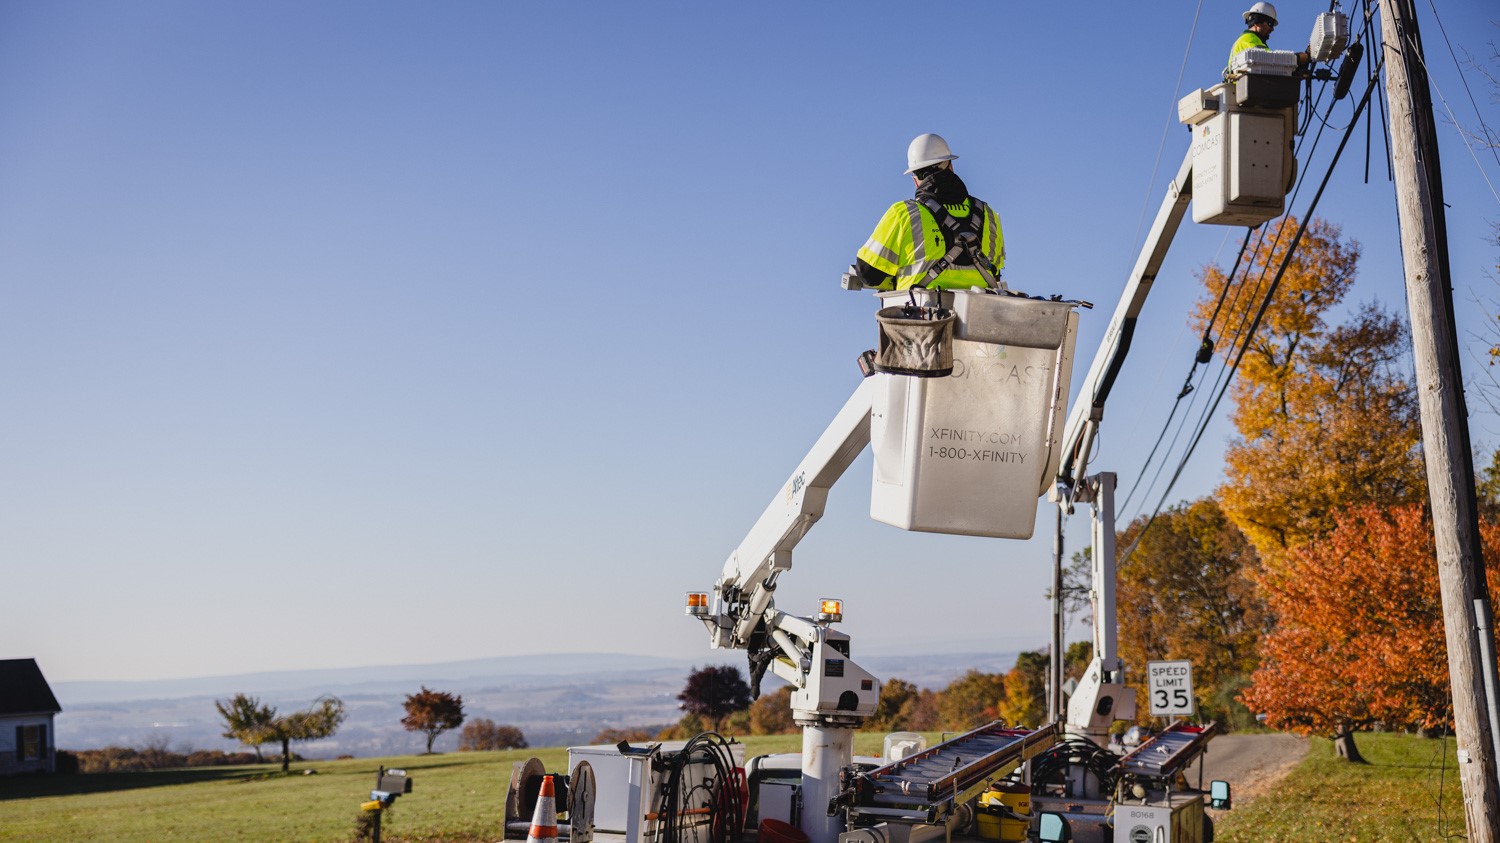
(970, 453)
(1242, 140)
(1330, 35)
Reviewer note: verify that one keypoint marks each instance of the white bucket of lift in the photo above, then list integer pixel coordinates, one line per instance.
(1242, 159)
(969, 454)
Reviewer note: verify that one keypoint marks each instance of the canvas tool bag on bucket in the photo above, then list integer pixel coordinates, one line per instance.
(915, 340)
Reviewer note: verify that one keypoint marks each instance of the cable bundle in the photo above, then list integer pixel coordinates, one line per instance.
(1050, 769)
(715, 799)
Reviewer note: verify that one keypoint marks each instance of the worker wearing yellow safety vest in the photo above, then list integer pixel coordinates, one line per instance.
(942, 238)
(1260, 20)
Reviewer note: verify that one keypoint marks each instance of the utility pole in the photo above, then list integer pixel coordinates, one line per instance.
(1055, 674)
(1445, 431)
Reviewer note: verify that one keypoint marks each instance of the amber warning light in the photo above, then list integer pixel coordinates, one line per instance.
(697, 602)
(830, 611)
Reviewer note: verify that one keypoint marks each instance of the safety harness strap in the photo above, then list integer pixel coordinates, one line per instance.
(961, 239)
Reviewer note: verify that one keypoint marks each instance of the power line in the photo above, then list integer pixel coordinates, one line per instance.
(1167, 124)
(1260, 313)
(1461, 133)
(1489, 134)
(1238, 330)
(1187, 386)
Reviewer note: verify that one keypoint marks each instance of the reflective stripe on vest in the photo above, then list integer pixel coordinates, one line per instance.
(986, 230)
(878, 248)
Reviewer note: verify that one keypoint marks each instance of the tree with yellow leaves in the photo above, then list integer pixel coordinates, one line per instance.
(1325, 417)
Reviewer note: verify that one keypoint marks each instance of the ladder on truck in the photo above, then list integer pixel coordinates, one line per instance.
(930, 786)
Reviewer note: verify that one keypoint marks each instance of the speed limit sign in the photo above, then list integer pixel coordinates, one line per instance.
(1170, 686)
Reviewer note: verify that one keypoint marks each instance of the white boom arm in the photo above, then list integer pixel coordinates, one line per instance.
(829, 688)
(1101, 697)
(745, 588)
(831, 695)
(1088, 410)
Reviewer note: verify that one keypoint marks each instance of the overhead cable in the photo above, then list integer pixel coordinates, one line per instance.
(1488, 135)
(1260, 313)
(1238, 330)
(1187, 383)
(1167, 125)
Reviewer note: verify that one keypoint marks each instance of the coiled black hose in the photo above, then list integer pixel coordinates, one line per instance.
(1050, 769)
(714, 800)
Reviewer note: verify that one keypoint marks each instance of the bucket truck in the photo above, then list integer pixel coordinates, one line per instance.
(967, 453)
(964, 412)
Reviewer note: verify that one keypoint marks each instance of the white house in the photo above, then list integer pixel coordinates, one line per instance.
(27, 709)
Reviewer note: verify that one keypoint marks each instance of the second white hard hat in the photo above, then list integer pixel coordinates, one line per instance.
(1261, 9)
(926, 150)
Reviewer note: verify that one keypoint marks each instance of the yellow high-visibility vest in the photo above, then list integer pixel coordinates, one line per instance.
(1247, 41)
(907, 241)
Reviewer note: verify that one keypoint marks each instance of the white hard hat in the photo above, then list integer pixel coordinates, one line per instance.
(929, 149)
(1261, 9)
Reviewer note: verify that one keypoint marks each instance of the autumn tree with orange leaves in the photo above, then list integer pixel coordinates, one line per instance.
(970, 701)
(903, 707)
(1360, 639)
(1327, 420)
(1325, 417)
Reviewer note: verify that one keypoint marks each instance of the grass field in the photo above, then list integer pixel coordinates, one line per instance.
(460, 797)
(1409, 791)
(455, 797)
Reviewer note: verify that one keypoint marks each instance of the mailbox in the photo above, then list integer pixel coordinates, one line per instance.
(388, 785)
(394, 781)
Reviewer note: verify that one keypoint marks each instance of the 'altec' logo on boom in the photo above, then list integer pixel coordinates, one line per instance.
(798, 483)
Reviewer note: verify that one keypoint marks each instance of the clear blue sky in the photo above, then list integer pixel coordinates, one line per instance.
(349, 333)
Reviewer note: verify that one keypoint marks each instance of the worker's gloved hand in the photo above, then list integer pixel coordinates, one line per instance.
(862, 276)
(868, 278)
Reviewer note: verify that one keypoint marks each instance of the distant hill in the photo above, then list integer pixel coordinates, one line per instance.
(556, 700)
(566, 664)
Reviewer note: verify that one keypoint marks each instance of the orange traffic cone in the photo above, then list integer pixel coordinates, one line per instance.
(544, 819)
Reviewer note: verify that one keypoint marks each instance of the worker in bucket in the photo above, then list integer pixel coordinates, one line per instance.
(1260, 21)
(943, 238)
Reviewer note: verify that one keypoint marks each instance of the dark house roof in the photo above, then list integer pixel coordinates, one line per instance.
(23, 690)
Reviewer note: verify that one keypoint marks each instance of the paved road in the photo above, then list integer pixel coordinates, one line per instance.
(1250, 763)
